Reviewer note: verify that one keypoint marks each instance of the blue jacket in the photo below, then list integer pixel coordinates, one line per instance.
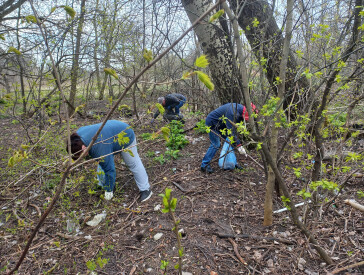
(106, 143)
(233, 112)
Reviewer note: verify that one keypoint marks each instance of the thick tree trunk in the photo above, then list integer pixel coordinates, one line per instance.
(215, 45)
(266, 40)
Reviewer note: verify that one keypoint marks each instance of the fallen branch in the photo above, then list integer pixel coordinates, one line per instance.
(355, 205)
(335, 271)
(237, 251)
(246, 236)
(179, 186)
(37, 208)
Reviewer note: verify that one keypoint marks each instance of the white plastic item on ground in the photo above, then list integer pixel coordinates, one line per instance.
(285, 209)
(97, 219)
(158, 236)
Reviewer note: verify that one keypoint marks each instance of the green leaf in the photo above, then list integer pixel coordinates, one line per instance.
(186, 75)
(216, 15)
(148, 55)
(11, 162)
(173, 204)
(180, 252)
(202, 61)
(168, 193)
(129, 151)
(31, 18)
(70, 11)
(91, 265)
(205, 79)
(14, 50)
(53, 9)
(160, 108)
(122, 138)
(165, 202)
(165, 132)
(111, 72)
(2, 37)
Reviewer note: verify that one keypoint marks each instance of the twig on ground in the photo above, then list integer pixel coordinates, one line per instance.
(235, 246)
(335, 271)
(179, 186)
(246, 236)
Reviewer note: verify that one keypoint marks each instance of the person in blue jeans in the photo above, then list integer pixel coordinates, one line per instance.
(171, 103)
(115, 137)
(215, 120)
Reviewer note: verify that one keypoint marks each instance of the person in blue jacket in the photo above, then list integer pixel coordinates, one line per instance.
(218, 120)
(115, 137)
(171, 103)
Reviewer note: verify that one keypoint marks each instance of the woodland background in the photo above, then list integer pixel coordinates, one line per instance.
(65, 64)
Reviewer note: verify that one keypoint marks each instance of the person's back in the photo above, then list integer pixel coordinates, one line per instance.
(232, 111)
(171, 103)
(107, 141)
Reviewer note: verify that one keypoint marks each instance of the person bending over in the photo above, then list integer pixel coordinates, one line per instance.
(114, 137)
(229, 112)
(171, 104)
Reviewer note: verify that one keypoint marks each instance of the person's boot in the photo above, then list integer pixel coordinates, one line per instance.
(207, 169)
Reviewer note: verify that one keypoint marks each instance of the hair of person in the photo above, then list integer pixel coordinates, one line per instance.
(160, 100)
(76, 146)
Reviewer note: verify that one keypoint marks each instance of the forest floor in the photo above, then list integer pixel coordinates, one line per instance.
(217, 212)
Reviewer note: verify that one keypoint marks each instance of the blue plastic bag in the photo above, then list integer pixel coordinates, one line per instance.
(227, 159)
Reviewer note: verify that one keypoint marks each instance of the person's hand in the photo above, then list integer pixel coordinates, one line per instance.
(242, 151)
(152, 121)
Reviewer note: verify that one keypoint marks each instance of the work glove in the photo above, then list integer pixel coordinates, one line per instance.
(108, 195)
(242, 151)
(152, 121)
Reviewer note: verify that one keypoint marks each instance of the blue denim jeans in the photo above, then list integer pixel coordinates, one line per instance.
(176, 107)
(213, 148)
(135, 165)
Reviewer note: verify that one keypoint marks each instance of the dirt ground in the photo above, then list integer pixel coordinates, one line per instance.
(218, 212)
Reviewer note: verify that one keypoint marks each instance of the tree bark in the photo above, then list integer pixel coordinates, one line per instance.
(76, 57)
(9, 6)
(268, 37)
(268, 203)
(215, 45)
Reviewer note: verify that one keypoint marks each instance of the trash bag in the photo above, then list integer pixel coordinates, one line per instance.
(169, 116)
(227, 159)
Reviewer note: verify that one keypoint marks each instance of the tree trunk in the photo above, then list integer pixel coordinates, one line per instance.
(268, 37)
(97, 69)
(76, 58)
(215, 45)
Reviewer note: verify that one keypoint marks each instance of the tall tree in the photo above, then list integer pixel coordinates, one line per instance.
(214, 44)
(76, 57)
(256, 18)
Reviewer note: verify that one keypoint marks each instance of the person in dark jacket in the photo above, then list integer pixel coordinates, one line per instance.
(219, 119)
(114, 137)
(171, 103)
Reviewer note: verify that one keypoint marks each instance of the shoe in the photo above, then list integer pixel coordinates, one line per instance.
(207, 169)
(145, 195)
(108, 195)
(239, 167)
